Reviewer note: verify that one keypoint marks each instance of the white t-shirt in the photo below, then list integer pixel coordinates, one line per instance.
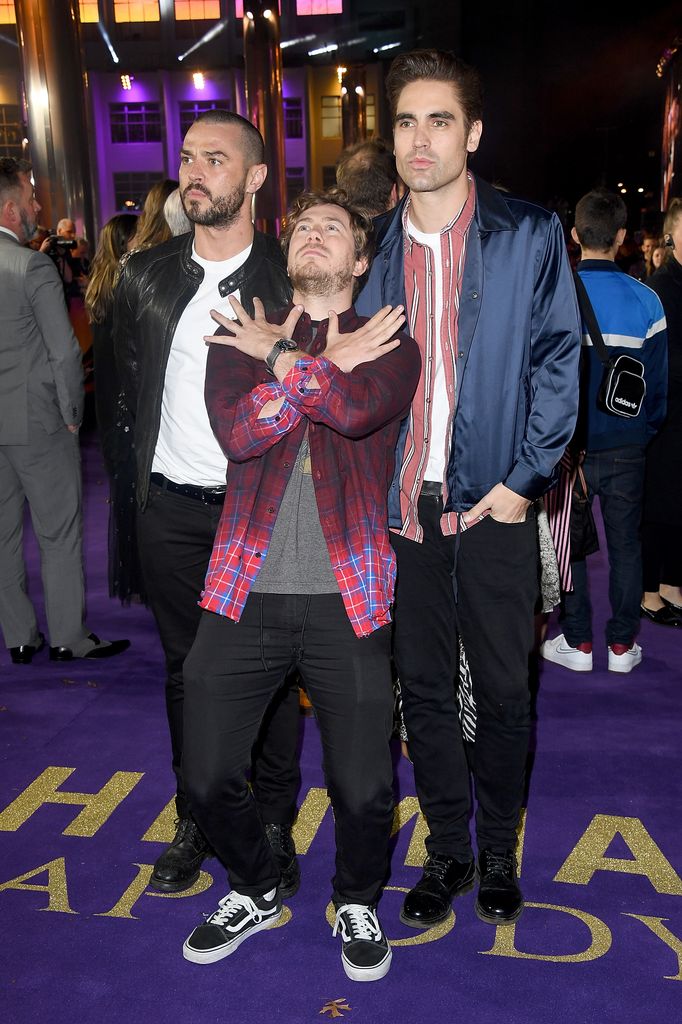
(440, 402)
(186, 449)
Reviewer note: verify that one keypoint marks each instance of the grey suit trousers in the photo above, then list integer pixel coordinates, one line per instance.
(46, 473)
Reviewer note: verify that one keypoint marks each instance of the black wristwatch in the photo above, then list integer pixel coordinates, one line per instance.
(281, 345)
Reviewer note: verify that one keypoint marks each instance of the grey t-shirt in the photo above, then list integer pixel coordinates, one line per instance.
(298, 560)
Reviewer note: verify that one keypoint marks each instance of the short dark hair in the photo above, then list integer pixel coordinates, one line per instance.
(437, 66)
(10, 180)
(367, 173)
(599, 216)
(254, 146)
(360, 222)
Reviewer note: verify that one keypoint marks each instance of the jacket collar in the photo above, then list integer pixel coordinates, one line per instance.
(599, 265)
(491, 214)
(233, 282)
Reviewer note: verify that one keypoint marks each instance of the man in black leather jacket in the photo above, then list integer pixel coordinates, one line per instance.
(162, 312)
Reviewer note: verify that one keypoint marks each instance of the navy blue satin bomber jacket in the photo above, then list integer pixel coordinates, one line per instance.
(517, 353)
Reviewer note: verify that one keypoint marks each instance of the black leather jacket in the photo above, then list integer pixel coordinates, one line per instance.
(153, 291)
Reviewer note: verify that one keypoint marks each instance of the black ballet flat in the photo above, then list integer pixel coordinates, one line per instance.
(662, 616)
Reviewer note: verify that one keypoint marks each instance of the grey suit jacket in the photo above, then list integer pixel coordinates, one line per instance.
(41, 372)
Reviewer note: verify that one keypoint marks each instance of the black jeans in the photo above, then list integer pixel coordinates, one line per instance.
(175, 535)
(495, 568)
(232, 674)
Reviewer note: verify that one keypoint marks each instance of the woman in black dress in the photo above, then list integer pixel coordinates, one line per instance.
(662, 521)
(112, 416)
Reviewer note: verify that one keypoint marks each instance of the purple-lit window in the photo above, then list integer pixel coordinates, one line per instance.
(304, 7)
(135, 122)
(197, 10)
(295, 179)
(190, 110)
(293, 117)
(131, 187)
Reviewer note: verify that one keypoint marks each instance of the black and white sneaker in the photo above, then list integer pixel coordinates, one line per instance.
(236, 918)
(365, 954)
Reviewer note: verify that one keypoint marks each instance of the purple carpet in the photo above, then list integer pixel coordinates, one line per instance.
(84, 940)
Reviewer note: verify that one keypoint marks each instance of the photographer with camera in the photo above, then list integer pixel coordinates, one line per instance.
(61, 247)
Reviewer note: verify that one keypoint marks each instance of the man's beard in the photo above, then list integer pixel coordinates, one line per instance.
(222, 212)
(29, 227)
(316, 282)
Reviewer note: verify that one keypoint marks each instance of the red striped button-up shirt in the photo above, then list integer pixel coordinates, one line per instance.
(353, 421)
(423, 325)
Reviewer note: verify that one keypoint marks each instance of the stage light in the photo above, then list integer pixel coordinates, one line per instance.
(198, 80)
(640, 189)
(206, 38)
(323, 49)
(267, 14)
(127, 82)
(340, 72)
(623, 190)
(359, 90)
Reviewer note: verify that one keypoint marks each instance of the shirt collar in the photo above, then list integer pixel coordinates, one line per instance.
(10, 233)
(459, 223)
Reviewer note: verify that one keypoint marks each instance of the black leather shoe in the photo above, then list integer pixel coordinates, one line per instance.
(431, 899)
(665, 616)
(23, 655)
(282, 843)
(499, 896)
(92, 647)
(677, 608)
(178, 867)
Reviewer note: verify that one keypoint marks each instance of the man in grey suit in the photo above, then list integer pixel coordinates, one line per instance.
(41, 405)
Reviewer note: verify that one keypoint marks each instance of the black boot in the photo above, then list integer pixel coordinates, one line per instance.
(499, 896)
(178, 867)
(431, 899)
(282, 843)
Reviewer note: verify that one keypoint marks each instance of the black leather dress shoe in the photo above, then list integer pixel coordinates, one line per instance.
(431, 899)
(23, 655)
(178, 867)
(92, 647)
(499, 896)
(665, 616)
(282, 843)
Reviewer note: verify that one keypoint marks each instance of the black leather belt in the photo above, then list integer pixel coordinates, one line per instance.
(431, 489)
(209, 495)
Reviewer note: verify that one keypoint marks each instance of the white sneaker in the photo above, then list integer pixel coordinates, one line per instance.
(578, 659)
(236, 918)
(624, 659)
(365, 954)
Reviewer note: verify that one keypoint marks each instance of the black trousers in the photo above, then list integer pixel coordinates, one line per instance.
(493, 569)
(175, 536)
(231, 675)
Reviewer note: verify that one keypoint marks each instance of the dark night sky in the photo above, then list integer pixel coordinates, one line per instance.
(572, 96)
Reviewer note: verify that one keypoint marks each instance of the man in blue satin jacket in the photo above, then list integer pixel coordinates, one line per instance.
(489, 297)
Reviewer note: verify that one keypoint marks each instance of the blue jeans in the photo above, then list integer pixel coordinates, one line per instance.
(617, 477)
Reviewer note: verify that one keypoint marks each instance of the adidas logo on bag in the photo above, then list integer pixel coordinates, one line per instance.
(624, 401)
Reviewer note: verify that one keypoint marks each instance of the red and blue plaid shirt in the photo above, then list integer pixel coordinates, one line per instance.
(353, 421)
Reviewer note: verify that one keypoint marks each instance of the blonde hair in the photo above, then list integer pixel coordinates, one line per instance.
(152, 227)
(113, 242)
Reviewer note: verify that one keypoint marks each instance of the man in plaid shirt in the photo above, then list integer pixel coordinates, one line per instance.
(307, 408)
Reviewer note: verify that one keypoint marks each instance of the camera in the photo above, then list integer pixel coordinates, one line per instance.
(59, 245)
